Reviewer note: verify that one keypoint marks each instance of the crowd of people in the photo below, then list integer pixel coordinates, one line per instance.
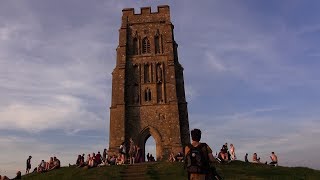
(130, 153)
(256, 159)
(53, 163)
(227, 155)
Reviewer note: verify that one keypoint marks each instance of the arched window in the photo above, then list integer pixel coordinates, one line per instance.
(157, 44)
(135, 46)
(147, 95)
(145, 45)
(147, 73)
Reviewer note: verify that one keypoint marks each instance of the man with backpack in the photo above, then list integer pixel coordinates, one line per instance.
(198, 158)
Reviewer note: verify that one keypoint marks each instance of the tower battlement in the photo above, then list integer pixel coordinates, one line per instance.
(163, 9)
(145, 16)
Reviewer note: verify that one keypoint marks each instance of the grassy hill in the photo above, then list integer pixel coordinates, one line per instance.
(175, 171)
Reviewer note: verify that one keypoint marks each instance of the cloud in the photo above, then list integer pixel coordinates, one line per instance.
(68, 113)
(50, 79)
(236, 46)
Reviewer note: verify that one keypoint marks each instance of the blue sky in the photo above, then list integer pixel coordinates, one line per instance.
(250, 68)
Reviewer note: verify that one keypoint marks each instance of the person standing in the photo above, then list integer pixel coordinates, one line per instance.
(139, 157)
(199, 153)
(28, 165)
(232, 152)
(104, 156)
(148, 157)
(246, 158)
(132, 151)
(123, 151)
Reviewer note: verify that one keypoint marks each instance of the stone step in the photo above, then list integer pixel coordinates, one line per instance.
(139, 171)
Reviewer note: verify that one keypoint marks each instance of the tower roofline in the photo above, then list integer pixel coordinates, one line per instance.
(146, 10)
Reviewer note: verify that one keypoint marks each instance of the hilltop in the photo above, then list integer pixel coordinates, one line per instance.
(168, 171)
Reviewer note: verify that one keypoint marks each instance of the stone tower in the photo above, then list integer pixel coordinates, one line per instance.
(148, 97)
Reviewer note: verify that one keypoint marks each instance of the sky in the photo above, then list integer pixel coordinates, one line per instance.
(250, 68)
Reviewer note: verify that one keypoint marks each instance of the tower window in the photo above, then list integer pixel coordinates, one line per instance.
(147, 76)
(135, 46)
(157, 44)
(147, 95)
(145, 45)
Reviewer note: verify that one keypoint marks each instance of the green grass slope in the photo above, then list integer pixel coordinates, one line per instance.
(175, 171)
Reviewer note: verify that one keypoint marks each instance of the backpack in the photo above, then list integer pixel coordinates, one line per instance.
(197, 160)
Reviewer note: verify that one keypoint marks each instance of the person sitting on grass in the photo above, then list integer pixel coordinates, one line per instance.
(42, 166)
(152, 158)
(6, 178)
(49, 164)
(222, 156)
(35, 170)
(119, 159)
(179, 157)
(274, 159)
(112, 160)
(88, 159)
(78, 160)
(255, 158)
(82, 158)
(98, 158)
(171, 157)
(18, 175)
(225, 152)
(92, 161)
(56, 163)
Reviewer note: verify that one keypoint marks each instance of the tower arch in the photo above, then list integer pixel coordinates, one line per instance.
(145, 134)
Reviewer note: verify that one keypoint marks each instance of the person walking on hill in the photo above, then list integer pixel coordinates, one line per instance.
(246, 158)
(28, 165)
(198, 157)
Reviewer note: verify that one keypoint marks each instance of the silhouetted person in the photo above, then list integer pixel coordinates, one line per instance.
(28, 164)
(246, 158)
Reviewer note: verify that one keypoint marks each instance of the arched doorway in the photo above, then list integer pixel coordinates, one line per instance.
(147, 133)
(150, 147)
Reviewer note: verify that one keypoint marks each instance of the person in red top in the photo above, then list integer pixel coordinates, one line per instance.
(98, 158)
